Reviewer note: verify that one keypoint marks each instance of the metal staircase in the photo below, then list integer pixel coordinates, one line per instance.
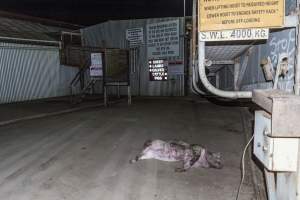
(75, 96)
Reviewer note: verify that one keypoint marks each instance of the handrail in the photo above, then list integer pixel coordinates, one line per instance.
(75, 78)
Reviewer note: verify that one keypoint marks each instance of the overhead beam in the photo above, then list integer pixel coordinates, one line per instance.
(223, 62)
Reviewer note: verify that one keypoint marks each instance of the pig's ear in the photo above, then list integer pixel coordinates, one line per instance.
(218, 155)
(147, 143)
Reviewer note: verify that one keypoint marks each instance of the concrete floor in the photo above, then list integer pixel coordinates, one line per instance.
(44, 106)
(84, 155)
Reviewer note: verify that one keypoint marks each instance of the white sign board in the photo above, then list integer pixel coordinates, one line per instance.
(96, 68)
(163, 39)
(237, 34)
(135, 36)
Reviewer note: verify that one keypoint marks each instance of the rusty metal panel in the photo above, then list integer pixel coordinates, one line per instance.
(116, 65)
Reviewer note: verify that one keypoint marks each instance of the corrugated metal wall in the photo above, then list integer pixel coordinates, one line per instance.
(112, 35)
(30, 72)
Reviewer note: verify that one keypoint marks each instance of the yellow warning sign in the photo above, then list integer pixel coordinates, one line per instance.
(215, 15)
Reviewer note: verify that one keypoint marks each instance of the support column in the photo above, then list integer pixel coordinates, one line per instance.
(297, 67)
(237, 66)
(218, 80)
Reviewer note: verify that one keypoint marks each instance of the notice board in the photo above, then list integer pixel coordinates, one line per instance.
(158, 70)
(135, 36)
(116, 66)
(163, 39)
(240, 14)
(96, 68)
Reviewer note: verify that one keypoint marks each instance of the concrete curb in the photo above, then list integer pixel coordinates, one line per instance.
(44, 115)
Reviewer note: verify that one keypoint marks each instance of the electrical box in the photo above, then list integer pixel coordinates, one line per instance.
(277, 154)
(285, 111)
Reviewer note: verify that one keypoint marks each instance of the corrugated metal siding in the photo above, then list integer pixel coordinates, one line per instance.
(290, 5)
(112, 35)
(32, 72)
(15, 28)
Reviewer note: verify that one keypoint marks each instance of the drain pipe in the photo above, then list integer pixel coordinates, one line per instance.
(195, 85)
(209, 86)
(195, 88)
(297, 69)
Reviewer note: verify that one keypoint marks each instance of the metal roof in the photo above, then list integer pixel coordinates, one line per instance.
(225, 52)
(15, 28)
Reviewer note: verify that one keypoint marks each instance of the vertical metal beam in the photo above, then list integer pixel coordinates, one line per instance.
(194, 69)
(237, 66)
(184, 47)
(298, 176)
(105, 96)
(118, 89)
(243, 69)
(286, 186)
(271, 185)
(81, 78)
(297, 92)
(129, 95)
(218, 80)
(297, 67)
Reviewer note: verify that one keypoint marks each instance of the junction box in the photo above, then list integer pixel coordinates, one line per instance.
(277, 130)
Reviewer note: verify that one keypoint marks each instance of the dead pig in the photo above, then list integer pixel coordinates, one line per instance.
(192, 155)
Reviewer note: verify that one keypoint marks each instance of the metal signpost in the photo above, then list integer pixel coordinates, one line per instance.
(116, 72)
(135, 36)
(96, 68)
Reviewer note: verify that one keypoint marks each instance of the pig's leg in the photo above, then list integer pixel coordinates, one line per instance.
(187, 164)
(145, 154)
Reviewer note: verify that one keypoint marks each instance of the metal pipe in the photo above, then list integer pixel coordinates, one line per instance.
(297, 88)
(236, 73)
(209, 86)
(70, 33)
(184, 39)
(195, 89)
(30, 40)
(184, 9)
(297, 67)
(195, 85)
